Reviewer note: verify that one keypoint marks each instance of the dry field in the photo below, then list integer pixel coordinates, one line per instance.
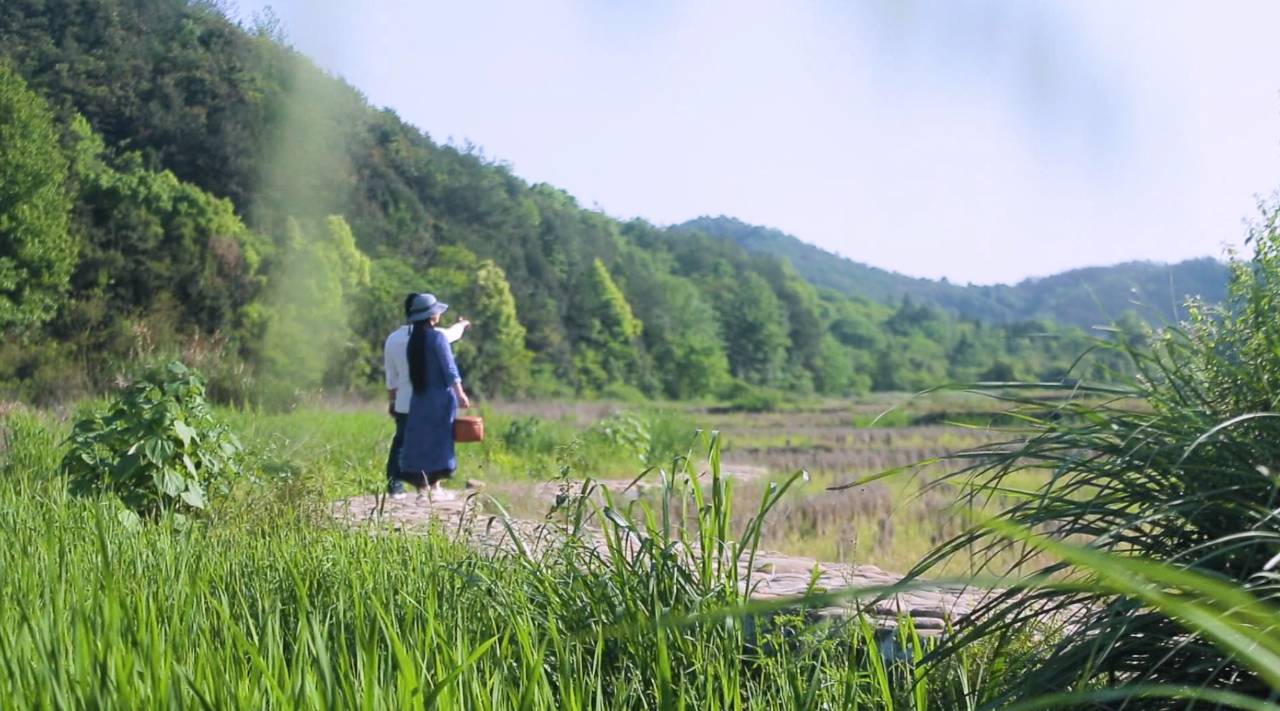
(890, 523)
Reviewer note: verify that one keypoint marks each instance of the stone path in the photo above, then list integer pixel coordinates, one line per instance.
(773, 575)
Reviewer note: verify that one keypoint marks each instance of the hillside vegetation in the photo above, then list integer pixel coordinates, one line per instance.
(1080, 297)
(195, 188)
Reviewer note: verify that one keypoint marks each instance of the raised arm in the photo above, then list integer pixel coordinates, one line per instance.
(445, 357)
(454, 333)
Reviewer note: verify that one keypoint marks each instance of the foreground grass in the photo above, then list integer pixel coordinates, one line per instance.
(281, 610)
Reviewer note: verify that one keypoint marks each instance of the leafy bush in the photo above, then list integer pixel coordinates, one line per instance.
(622, 431)
(528, 435)
(622, 392)
(155, 445)
(670, 435)
(41, 374)
(1236, 346)
(749, 398)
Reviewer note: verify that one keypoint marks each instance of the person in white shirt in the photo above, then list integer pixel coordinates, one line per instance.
(395, 359)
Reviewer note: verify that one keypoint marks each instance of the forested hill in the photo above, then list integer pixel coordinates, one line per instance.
(1080, 297)
(175, 184)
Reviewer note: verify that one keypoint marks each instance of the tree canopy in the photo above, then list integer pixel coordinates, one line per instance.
(37, 249)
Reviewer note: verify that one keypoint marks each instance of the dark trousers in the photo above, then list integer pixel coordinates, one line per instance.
(394, 483)
(422, 480)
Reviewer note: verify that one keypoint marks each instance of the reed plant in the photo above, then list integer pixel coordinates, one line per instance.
(1161, 506)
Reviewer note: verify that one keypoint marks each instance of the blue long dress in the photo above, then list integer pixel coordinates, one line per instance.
(428, 433)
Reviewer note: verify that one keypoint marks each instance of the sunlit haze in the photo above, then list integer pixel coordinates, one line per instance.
(978, 141)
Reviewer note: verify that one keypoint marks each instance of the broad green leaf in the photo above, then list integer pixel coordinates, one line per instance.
(154, 451)
(193, 497)
(184, 432)
(169, 483)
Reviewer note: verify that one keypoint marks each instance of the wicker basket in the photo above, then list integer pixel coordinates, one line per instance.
(468, 429)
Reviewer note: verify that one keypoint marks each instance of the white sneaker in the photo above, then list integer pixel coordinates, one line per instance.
(400, 496)
(439, 493)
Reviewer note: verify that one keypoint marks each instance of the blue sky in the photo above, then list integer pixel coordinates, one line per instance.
(981, 141)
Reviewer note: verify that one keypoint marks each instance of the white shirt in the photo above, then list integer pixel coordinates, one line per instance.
(395, 360)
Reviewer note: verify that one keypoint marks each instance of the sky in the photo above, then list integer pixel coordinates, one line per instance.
(983, 142)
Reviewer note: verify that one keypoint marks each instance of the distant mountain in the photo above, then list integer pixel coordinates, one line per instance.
(1080, 297)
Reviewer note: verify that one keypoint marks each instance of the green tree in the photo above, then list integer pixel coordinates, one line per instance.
(967, 358)
(352, 266)
(308, 337)
(378, 308)
(494, 354)
(37, 249)
(999, 372)
(605, 332)
(805, 327)
(753, 322)
(840, 370)
(449, 276)
(492, 357)
(910, 363)
(349, 366)
(687, 351)
(150, 236)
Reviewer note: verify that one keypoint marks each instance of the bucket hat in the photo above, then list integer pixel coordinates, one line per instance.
(425, 306)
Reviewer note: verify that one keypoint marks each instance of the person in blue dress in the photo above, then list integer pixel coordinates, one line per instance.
(428, 456)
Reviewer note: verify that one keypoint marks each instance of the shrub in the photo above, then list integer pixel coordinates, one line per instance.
(622, 431)
(41, 374)
(749, 398)
(670, 435)
(623, 392)
(528, 435)
(155, 445)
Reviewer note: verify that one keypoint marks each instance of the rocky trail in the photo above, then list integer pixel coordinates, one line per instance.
(773, 575)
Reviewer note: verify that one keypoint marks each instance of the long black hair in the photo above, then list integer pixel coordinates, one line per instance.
(418, 354)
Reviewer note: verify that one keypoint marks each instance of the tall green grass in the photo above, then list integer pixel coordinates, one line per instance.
(1162, 505)
(285, 610)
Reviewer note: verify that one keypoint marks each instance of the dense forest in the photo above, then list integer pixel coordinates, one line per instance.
(173, 183)
(1080, 297)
